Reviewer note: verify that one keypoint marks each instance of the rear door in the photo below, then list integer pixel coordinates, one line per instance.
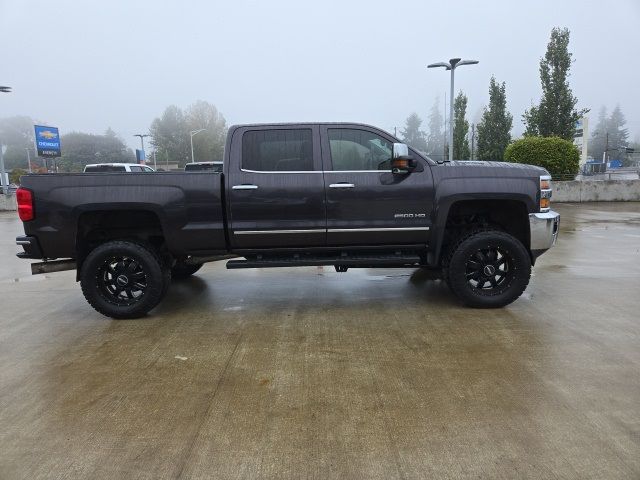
(366, 203)
(275, 187)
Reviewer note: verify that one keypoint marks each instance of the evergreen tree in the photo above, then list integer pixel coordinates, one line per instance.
(435, 137)
(618, 135)
(461, 149)
(494, 130)
(598, 141)
(610, 134)
(412, 135)
(556, 114)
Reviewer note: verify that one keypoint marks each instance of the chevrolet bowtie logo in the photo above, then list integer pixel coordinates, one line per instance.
(48, 134)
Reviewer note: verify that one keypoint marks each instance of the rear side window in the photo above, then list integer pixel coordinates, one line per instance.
(133, 168)
(278, 150)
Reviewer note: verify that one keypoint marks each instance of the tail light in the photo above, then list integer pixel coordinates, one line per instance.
(545, 193)
(25, 204)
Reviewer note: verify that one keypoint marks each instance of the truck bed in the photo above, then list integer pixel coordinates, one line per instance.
(188, 206)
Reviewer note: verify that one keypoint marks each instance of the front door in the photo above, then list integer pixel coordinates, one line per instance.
(275, 188)
(367, 204)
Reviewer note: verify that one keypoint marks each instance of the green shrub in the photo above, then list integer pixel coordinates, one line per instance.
(558, 156)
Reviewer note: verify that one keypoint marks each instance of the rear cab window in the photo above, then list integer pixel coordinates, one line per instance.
(282, 150)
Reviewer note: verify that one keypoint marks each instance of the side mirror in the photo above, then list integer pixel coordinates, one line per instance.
(401, 161)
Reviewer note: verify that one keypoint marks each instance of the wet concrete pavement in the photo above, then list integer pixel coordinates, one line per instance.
(308, 373)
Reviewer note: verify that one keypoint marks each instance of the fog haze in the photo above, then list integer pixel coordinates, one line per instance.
(86, 66)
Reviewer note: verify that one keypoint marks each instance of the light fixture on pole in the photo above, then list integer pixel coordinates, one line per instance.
(142, 136)
(452, 65)
(192, 134)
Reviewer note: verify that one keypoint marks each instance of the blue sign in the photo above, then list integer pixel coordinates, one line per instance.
(47, 141)
(140, 157)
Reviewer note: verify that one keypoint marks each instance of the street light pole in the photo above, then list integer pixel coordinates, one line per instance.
(28, 159)
(141, 146)
(142, 136)
(452, 65)
(5, 186)
(193, 133)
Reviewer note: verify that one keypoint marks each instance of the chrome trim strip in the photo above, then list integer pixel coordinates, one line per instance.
(269, 232)
(314, 171)
(23, 242)
(244, 187)
(281, 171)
(341, 185)
(357, 171)
(392, 229)
(332, 230)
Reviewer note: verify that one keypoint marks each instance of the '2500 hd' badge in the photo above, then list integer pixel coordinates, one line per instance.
(410, 215)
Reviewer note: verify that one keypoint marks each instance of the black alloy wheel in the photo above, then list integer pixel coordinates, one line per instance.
(124, 279)
(488, 269)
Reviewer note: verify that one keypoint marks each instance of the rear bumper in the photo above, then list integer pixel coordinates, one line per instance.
(30, 245)
(544, 230)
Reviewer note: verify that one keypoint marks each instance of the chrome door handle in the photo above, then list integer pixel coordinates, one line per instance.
(244, 187)
(342, 185)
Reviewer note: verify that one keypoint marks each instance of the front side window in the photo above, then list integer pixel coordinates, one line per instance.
(353, 149)
(278, 150)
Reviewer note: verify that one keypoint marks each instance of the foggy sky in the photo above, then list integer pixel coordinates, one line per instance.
(85, 66)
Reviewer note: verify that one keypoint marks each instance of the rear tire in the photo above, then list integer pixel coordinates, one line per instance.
(488, 269)
(122, 279)
(183, 270)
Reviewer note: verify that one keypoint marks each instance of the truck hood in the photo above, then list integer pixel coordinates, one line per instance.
(476, 168)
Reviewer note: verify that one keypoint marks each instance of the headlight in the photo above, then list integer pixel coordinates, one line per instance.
(545, 193)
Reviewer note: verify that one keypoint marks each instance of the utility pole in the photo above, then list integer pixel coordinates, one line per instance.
(5, 186)
(606, 150)
(444, 143)
(452, 65)
(155, 165)
(473, 138)
(28, 159)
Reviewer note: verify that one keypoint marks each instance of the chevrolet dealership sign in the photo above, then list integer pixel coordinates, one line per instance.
(47, 141)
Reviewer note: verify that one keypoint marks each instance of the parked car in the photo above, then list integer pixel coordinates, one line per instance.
(116, 167)
(208, 166)
(338, 194)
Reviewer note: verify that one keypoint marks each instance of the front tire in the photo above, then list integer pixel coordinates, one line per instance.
(122, 279)
(488, 269)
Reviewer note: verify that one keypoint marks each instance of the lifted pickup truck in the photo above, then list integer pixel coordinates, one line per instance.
(340, 194)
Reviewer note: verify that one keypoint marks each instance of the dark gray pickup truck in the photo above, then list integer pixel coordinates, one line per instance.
(340, 194)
